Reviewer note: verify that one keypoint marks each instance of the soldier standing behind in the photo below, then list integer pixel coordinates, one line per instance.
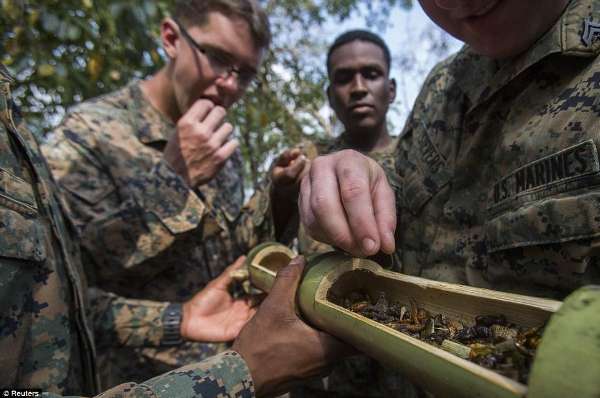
(152, 179)
(360, 92)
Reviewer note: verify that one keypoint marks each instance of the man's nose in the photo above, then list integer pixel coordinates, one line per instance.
(229, 83)
(359, 85)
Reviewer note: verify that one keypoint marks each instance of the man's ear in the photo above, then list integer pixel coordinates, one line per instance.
(170, 36)
(392, 90)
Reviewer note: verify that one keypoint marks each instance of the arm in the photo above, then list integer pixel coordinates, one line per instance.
(272, 211)
(212, 315)
(117, 199)
(225, 374)
(289, 350)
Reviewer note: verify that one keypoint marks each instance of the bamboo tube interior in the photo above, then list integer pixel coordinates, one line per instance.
(463, 303)
(271, 262)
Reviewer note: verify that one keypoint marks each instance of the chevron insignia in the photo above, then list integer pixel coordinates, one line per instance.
(591, 32)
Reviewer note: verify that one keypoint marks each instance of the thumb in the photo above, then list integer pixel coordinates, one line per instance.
(227, 276)
(283, 292)
(297, 167)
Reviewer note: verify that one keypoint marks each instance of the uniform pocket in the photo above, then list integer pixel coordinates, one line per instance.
(553, 220)
(21, 234)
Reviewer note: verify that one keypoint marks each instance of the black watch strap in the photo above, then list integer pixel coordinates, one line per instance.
(172, 325)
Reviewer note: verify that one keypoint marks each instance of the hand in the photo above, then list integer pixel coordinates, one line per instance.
(346, 201)
(200, 146)
(213, 315)
(277, 346)
(287, 172)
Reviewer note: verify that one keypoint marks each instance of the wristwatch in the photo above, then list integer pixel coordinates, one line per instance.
(172, 325)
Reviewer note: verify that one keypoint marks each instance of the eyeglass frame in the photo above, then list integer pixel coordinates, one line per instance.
(223, 68)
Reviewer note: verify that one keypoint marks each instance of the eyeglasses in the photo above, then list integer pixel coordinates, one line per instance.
(220, 62)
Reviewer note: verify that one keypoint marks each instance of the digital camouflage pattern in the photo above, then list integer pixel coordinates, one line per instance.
(144, 233)
(498, 167)
(45, 312)
(224, 375)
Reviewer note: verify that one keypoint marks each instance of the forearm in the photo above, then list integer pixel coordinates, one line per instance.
(118, 321)
(223, 375)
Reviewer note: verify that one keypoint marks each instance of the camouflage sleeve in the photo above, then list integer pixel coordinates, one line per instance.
(125, 322)
(223, 375)
(124, 214)
(255, 223)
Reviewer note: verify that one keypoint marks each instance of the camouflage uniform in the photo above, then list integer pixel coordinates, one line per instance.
(499, 168)
(45, 331)
(144, 233)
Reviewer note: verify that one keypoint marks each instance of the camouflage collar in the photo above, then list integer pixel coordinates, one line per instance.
(565, 37)
(150, 125)
(5, 75)
(341, 142)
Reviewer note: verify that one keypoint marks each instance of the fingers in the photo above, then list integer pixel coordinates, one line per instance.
(355, 180)
(198, 111)
(283, 292)
(307, 217)
(346, 201)
(291, 173)
(214, 118)
(225, 152)
(227, 276)
(283, 159)
(384, 203)
(288, 156)
(296, 167)
(222, 134)
(326, 208)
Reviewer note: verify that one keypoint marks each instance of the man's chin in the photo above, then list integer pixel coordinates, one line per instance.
(362, 125)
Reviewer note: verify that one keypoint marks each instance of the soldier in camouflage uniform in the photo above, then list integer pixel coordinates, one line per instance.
(360, 91)
(143, 167)
(497, 167)
(47, 320)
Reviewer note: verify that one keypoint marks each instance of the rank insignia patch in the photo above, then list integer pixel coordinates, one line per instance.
(591, 32)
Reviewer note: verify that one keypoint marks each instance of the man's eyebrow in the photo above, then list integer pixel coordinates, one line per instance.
(346, 69)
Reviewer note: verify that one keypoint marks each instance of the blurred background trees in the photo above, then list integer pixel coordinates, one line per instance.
(65, 51)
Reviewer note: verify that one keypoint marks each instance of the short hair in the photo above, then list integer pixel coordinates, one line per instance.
(359, 35)
(195, 12)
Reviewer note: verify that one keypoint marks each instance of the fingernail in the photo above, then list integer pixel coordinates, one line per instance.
(368, 245)
(389, 237)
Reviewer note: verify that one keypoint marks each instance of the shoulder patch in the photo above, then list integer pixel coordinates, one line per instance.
(591, 32)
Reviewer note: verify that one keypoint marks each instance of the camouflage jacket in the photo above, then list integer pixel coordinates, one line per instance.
(498, 166)
(46, 319)
(144, 233)
(312, 149)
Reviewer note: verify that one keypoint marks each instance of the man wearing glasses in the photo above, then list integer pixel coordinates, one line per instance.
(153, 179)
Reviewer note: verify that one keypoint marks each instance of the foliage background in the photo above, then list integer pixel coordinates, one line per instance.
(65, 51)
